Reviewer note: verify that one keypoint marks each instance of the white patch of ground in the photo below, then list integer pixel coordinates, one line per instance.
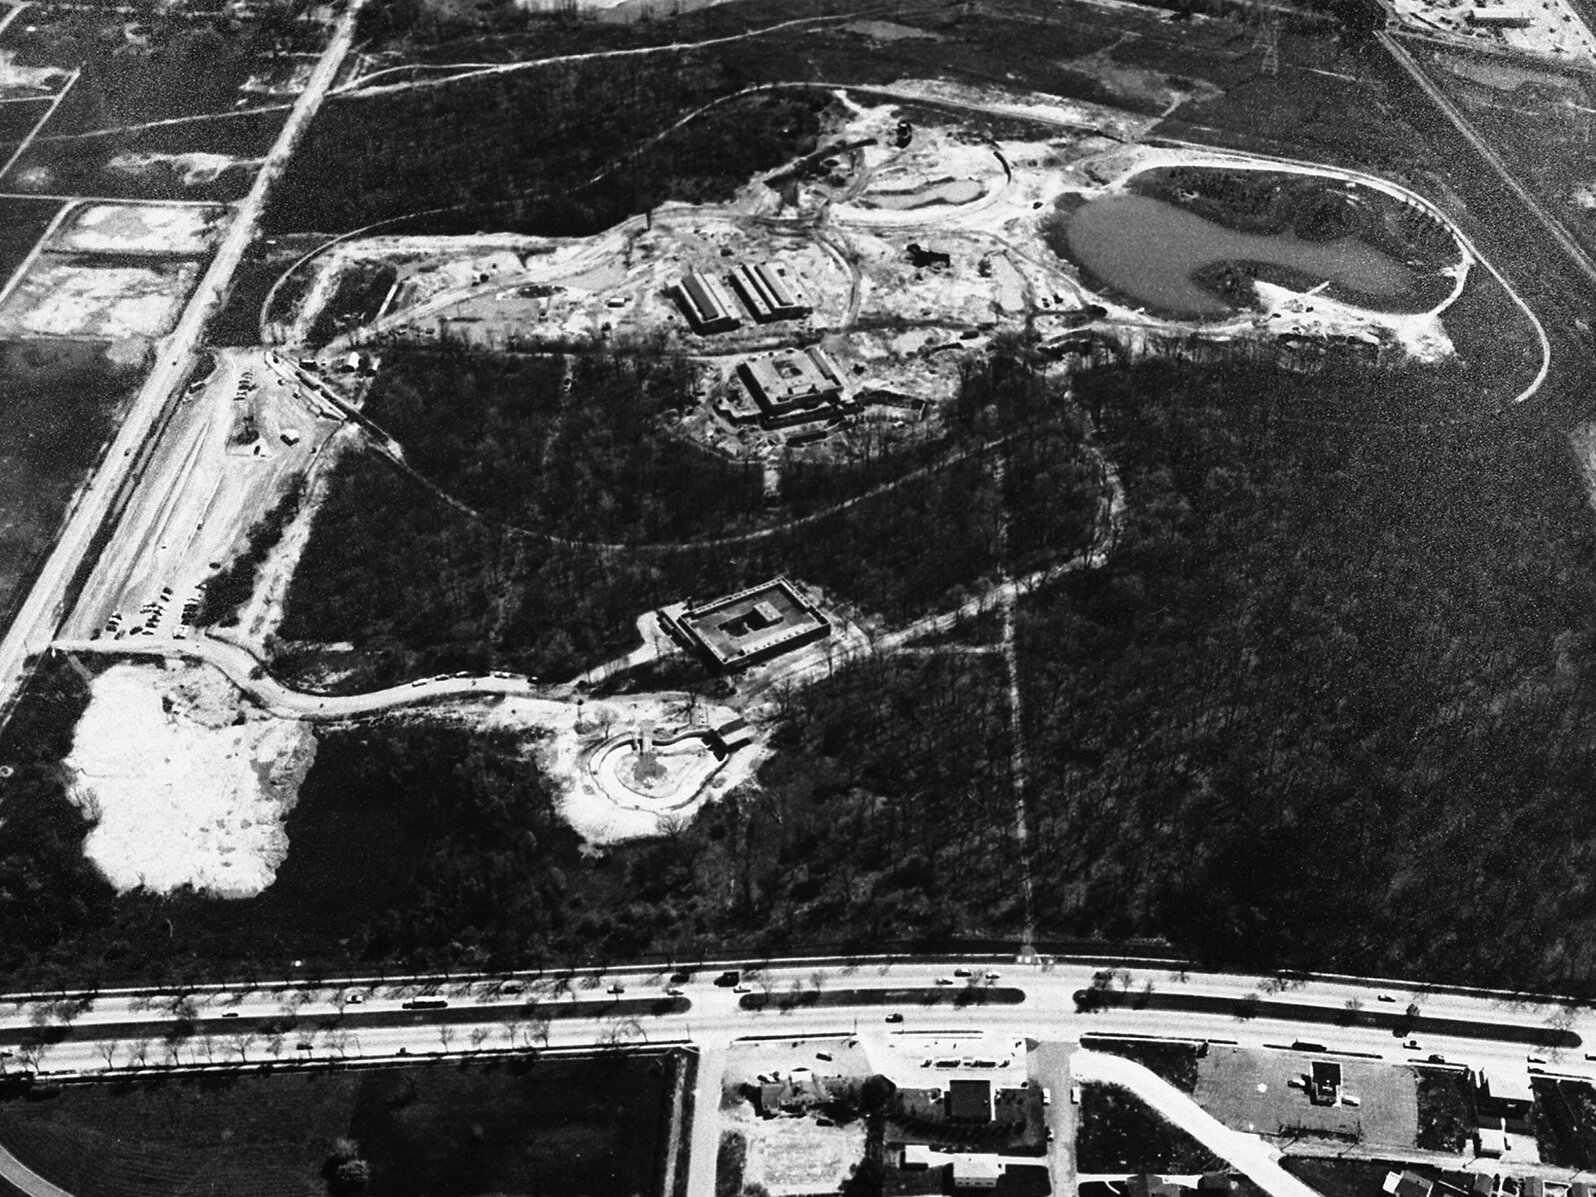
(26, 78)
(179, 229)
(577, 730)
(889, 31)
(1029, 105)
(1553, 27)
(792, 1156)
(192, 168)
(1422, 335)
(184, 788)
(63, 298)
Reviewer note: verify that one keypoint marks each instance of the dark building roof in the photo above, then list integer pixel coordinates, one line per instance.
(970, 1100)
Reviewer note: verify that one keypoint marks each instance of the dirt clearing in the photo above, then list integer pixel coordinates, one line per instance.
(184, 787)
(181, 230)
(67, 298)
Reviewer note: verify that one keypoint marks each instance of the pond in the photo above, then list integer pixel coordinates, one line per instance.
(1149, 250)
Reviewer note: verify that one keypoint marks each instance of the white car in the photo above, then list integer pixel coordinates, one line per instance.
(944, 980)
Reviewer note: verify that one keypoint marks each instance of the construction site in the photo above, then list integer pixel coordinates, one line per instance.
(831, 304)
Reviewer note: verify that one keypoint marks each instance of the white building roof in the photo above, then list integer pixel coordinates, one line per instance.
(976, 1167)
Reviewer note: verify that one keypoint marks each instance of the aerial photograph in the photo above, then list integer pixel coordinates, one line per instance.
(778, 598)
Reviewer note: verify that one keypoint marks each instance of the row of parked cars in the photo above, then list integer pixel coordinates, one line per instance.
(152, 612)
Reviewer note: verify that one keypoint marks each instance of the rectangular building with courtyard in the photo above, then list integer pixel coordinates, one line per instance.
(753, 625)
(792, 386)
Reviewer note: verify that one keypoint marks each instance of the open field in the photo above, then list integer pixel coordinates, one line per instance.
(1263, 1092)
(212, 161)
(17, 121)
(558, 1127)
(185, 231)
(179, 65)
(79, 297)
(22, 223)
(1118, 1133)
(58, 404)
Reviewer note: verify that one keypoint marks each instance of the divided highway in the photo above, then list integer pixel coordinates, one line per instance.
(377, 1017)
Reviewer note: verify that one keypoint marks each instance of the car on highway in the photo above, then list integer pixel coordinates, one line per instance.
(944, 980)
(1384, 997)
(1411, 1044)
(673, 991)
(730, 977)
(305, 1047)
(617, 987)
(894, 1017)
(991, 976)
(1534, 1059)
(355, 999)
(229, 1013)
(741, 989)
(1436, 1058)
(962, 972)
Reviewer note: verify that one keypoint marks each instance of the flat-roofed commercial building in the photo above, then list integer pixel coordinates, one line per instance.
(768, 294)
(708, 307)
(753, 625)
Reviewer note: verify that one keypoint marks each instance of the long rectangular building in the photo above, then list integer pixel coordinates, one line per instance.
(767, 294)
(708, 307)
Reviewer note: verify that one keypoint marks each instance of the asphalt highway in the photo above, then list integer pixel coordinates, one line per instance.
(1480, 1030)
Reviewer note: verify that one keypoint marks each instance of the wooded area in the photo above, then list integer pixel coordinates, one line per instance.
(566, 150)
(1330, 704)
(421, 587)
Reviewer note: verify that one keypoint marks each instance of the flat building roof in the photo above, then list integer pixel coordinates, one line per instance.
(750, 625)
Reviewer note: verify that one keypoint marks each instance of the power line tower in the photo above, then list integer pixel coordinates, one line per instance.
(1268, 39)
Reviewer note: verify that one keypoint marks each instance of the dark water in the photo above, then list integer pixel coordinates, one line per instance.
(1149, 249)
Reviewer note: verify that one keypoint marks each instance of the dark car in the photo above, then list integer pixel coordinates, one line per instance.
(730, 977)
(894, 1017)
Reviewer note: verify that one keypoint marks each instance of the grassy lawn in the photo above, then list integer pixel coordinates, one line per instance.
(59, 401)
(1119, 1134)
(1175, 1062)
(568, 1126)
(1446, 1109)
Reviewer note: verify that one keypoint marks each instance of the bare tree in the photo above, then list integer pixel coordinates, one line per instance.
(445, 1035)
(108, 1051)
